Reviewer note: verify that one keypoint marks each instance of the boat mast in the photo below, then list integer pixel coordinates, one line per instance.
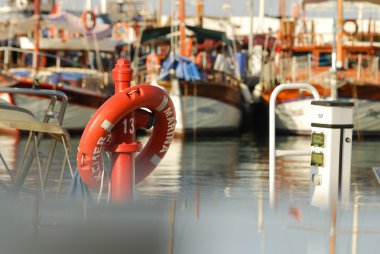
(250, 37)
(337, 54)
(158, 17)
(182, 35)
(36, 62)
(103, 6)
(261, 16)
(282, 9)
(339, 31)
(200, 12)
(88, 4)
(282, 30)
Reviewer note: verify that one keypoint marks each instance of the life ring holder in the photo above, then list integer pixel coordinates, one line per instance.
(348, 21)
(89, 24)
(97, 132)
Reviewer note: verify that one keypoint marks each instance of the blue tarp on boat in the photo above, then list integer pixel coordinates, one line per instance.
(184, 68)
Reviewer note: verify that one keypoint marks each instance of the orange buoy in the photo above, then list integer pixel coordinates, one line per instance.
(120, 31)
(88, 20)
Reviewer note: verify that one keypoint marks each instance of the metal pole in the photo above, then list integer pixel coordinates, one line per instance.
(333, 80)
(261, 16)
(158, 17)
(339, 32)
(272, 130)
(294, 69)
(123, 137)
(309, 65)
(182, 36)
(359, 67)
(36, 62)
(250, 38)
(200, 12)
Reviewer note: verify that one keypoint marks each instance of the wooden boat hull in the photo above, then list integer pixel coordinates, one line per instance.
(205, 107)
(82, 103)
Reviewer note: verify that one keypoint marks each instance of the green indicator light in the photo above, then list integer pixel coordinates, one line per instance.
(318, 139)
(317, 159)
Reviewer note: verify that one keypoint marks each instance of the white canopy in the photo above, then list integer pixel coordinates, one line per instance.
(16, 24)
(350, 1)
(74, 24)
(358, 9)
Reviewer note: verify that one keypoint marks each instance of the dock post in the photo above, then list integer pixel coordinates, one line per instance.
(122, 138)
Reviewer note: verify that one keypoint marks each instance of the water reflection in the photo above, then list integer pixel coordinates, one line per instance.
(233, 202)
(9, 140)
(211, 196)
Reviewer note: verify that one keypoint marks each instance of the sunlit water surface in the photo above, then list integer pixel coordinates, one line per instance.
(208, 195)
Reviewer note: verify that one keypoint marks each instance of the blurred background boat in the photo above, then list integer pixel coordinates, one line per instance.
(58, 51)
(200, 69)
(63, 51)
(339, 56)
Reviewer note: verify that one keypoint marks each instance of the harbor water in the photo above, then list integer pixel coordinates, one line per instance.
(208, 195)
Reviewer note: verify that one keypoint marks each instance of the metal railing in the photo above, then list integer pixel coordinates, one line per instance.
(308, 68)
(35, 138)
(58, 59)
(273, 153)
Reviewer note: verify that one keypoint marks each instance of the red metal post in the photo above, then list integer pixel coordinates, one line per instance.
(123, 145)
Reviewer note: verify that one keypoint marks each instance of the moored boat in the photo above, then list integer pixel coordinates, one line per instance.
(348, 72)
(207, 94)
(70, 58)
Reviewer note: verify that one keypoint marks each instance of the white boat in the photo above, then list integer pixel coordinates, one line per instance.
(292, 117)
(205, 107)
(208, 101)
(63, 65)
(349, 72)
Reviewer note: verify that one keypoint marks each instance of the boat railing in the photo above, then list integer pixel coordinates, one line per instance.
(59, 63)
(307, 68)
(273, 153)
(321, 39)
(7, 54)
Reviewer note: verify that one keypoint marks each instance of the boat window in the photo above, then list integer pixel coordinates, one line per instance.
(304, 53)
(324, 59)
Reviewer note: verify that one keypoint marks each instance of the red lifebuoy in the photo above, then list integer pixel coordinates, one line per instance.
(97, 132)
(152, 62)
(88, 20)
